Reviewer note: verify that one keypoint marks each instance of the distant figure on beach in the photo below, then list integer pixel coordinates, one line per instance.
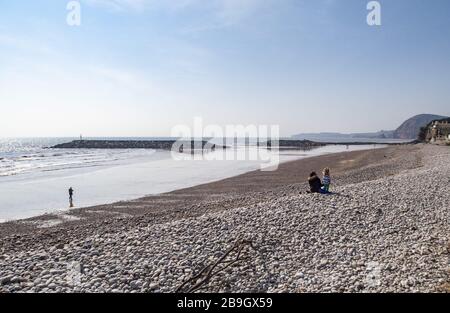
(315, 185)
(71, 197)
(326, 180)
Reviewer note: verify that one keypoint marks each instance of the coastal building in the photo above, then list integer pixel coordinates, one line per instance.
(438, 132)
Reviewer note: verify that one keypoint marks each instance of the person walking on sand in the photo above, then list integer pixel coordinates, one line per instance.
(71, 197)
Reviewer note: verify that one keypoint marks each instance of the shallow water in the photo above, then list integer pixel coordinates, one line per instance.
(38, 179)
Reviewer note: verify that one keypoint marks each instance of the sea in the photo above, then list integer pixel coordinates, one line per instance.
(34, 179)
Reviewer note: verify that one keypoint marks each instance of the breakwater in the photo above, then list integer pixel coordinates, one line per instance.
(176, 145)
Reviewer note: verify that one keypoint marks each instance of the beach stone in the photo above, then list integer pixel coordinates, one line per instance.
(6, 280)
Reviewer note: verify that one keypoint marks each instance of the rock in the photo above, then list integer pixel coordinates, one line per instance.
(41, 256)
(59, 246)
(136, 284)
(16, 279)
(299, 275)
(6, 280)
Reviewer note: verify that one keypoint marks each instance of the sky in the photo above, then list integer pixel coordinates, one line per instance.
(141, 67)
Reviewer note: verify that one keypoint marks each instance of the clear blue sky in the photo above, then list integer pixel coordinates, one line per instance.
(139, 67)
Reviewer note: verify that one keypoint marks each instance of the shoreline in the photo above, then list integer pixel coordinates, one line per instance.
(217, 186)
(63, 211)
(195, 201)
(115, 176)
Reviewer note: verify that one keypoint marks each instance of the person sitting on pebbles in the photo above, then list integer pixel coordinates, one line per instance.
(315, 184)
(326, 180)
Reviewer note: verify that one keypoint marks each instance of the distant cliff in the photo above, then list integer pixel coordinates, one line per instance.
(410, 128)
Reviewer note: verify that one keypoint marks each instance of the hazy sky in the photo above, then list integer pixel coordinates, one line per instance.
(139, 67)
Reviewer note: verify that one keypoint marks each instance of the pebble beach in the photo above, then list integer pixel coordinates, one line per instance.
(385, 228)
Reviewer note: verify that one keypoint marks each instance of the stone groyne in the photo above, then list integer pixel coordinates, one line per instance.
(138, 144)
(298, 144)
